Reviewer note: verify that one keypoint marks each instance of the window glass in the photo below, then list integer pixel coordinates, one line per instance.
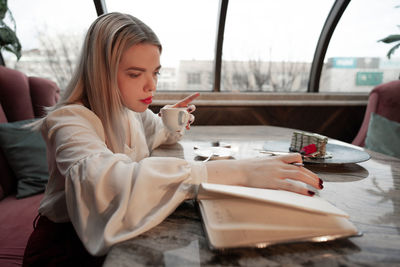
(51, 34)
(187, 31)
(355, 60)
(269, 45)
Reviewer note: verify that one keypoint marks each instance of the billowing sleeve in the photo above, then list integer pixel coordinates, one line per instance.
(156, 133)
(111, 198)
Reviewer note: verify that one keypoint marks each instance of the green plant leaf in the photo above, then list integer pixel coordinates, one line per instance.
(7, 36)
(391, 51)
(391, 38)
(3, 9)
(15, 49)
(9, 41)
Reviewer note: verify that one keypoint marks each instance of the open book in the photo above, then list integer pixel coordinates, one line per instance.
(236, 216)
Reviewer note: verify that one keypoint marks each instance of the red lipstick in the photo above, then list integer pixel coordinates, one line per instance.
(147, 101)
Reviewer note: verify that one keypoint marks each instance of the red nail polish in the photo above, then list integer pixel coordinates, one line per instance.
(311, 193)
(320, 181)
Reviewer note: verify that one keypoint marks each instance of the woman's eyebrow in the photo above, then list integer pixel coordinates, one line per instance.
(141, 69)
(136, 68)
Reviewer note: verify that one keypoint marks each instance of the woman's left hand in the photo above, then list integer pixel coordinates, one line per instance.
(190, 107)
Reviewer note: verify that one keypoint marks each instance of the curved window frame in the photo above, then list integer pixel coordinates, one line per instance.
(331, 22)
(100, 7)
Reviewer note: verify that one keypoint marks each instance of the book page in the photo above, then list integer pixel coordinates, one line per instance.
(278, 197)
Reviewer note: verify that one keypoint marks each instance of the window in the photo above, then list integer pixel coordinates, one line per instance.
(355, 61)
(187, 32)
(269, 45)
(167, 80)
(51, 34)
(193, 78)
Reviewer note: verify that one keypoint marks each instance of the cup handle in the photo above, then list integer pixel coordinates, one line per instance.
(183, 118)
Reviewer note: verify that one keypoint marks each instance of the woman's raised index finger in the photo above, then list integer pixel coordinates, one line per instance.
(184, 102)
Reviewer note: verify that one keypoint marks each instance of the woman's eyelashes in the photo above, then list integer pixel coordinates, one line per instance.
(134, 75)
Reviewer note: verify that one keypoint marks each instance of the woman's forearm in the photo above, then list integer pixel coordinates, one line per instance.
(225, 172)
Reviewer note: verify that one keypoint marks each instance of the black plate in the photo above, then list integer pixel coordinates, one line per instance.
(340, 154)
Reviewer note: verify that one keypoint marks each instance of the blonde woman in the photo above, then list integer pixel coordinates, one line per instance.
(103, 186)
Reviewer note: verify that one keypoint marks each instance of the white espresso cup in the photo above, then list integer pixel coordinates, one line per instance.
(175, 119)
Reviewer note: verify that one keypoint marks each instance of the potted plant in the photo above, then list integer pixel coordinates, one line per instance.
(8, 39)
(393, 38)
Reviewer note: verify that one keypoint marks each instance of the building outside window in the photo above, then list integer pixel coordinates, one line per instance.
(193, 78)
(356, 61)
(167, 79)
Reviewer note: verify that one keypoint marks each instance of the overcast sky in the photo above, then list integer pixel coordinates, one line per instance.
(266, 29)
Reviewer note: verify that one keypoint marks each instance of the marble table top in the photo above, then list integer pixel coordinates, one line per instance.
(368, 191)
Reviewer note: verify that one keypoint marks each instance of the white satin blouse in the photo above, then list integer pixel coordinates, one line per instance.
(111, 197)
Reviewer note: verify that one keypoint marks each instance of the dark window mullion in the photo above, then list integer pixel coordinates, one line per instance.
(100, 7)
(333, 18)
(223, 6)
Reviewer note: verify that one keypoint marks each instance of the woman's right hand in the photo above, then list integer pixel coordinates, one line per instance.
(265, 172)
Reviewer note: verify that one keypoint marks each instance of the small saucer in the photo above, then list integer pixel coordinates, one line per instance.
(215, 152)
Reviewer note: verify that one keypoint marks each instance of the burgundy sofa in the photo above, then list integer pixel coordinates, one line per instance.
(21, 98)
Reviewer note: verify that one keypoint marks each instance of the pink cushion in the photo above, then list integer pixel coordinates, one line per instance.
(16, 217)
(15, 97)
(383, 100)
(388, 100)
(21, 98)
(44, 93)
(3, 117)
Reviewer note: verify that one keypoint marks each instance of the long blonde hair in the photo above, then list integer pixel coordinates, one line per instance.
(94, 82)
